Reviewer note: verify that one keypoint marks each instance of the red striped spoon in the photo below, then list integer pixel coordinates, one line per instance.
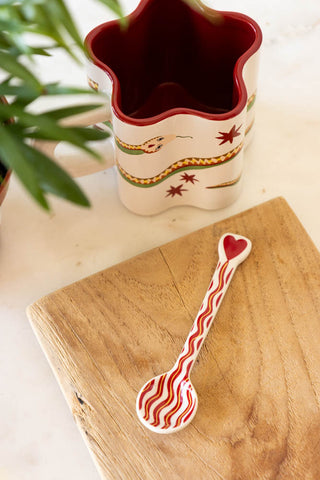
(168, 402)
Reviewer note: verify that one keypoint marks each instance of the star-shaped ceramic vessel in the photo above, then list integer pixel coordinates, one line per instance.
(181, 79)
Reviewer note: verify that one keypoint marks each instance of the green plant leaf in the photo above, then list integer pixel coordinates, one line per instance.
(12, 156)
(53, 179)
(7, 2)
(48, 129)
(16, 69)
(10, 25)
(52, 20)
(113, 5)
(23, 91)
(63, 13)
(51, 26)
(57, 89)
(42, 51)
(91, 134)
(83, 135)
(65, 112)
(80, 134)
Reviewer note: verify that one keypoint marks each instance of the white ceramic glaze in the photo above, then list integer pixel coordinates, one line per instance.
(167, 403)
(193, 167)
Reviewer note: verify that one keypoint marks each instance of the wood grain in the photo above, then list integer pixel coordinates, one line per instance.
(257, 376)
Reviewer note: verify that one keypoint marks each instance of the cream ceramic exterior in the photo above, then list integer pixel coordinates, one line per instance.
(193, 167)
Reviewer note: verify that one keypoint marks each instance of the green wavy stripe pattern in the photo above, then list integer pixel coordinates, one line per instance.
(177, 170)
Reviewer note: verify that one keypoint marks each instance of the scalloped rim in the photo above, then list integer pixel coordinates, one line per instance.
(237, 73)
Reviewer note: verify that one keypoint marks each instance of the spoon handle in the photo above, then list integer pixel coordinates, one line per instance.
(233, 249)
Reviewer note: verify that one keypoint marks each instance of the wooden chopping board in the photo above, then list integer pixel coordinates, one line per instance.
(257, 376)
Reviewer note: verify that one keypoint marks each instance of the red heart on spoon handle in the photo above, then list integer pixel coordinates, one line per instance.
(234, 247)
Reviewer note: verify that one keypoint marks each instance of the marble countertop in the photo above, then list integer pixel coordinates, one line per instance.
(40, 253)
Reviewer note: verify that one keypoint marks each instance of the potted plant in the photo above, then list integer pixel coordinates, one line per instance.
(23, 24)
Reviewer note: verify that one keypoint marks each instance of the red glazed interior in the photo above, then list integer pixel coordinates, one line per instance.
(173, 59)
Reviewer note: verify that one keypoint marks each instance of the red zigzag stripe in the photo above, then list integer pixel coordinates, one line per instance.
(182, 361)
(185, 415)
(197, 334)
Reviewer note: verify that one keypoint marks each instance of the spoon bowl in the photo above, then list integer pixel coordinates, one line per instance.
(167, 402)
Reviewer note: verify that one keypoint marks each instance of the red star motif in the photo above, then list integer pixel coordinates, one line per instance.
(189, 178)
(229, 136)
(175, 191)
